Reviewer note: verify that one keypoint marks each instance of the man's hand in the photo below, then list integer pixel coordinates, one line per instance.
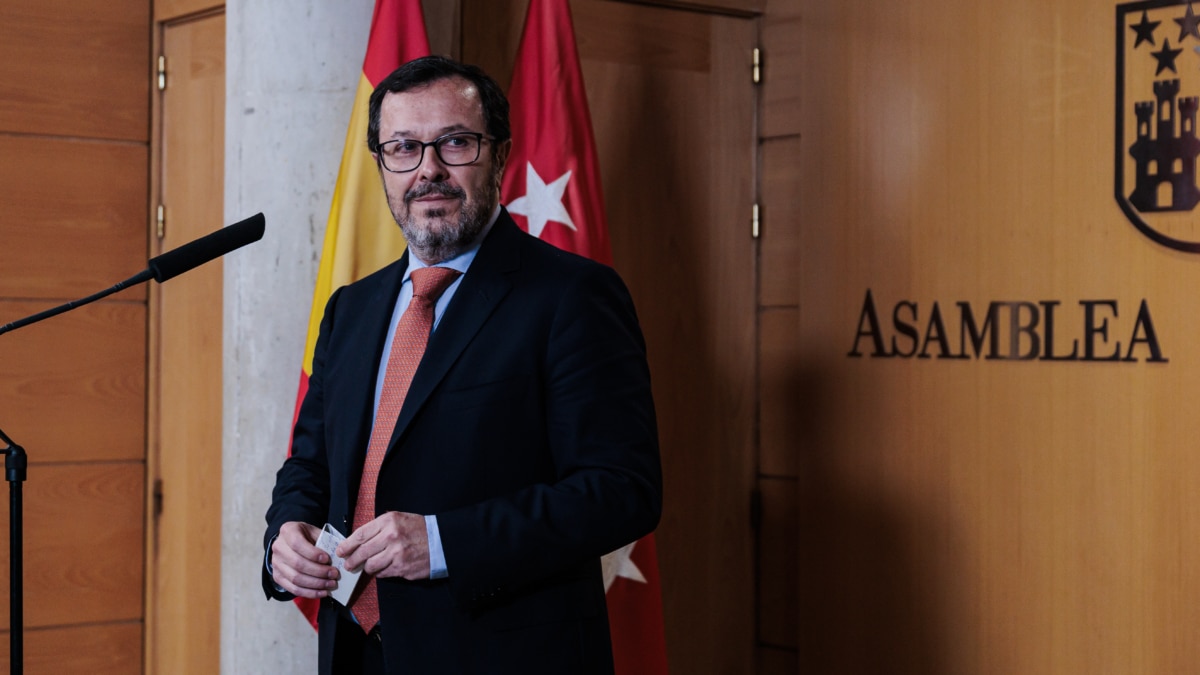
(300, 568)
(393, 545)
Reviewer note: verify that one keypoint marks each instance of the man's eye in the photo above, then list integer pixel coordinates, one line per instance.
(405, 148)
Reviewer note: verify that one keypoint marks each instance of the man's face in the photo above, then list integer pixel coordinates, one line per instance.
(441, 209)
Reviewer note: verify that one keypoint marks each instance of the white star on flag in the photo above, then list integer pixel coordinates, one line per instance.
(542, 203)
(619, 564)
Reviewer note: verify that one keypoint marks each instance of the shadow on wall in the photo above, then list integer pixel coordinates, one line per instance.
(866, 605)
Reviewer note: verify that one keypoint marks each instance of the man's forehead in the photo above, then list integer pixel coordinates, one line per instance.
(448, 95)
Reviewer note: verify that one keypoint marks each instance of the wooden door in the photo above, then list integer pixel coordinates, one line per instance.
(183, 603)
(672, 104)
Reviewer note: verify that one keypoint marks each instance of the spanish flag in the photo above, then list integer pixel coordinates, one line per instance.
(361, 235)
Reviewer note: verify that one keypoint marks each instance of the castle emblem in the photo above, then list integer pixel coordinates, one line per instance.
(1158, 98)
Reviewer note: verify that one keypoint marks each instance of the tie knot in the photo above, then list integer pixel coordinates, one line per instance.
(431, 282)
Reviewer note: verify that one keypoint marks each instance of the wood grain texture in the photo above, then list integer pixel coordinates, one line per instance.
(773, 661)
(183, 616)
(993, 516)
(781, 422)
(83, 544)
(779, 243)
(96, 649)
(73, 388)
(778, 561)
(76, 68)
(782, 84)
(172, 10)
(74, 217)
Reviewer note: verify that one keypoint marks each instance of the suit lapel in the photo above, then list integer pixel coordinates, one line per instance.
(482, 289)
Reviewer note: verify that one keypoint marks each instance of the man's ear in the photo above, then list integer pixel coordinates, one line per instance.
(501, 160)
(502, 151)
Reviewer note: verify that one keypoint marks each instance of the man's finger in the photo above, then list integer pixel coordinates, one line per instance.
(303, 585)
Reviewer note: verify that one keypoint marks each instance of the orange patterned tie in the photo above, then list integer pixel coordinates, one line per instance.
(408, 346)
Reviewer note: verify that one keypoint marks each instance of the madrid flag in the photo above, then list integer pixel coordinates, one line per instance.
(361, 236)
(552, 188)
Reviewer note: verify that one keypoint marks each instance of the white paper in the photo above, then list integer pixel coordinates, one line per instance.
(328, 542)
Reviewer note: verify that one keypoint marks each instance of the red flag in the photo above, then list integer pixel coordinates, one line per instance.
(552, 188)
(361, 236)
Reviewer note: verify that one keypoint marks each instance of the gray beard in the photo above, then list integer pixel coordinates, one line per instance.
(440, 243)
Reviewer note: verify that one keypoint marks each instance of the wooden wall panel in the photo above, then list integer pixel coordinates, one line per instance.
(995, 516)
(73, 388)
(100, 649)
(779, 243)
(83, 544)
(772, 661)
(74, 217)
(171, 10)
(777, 564)
(74, 129)
(183, 615)
(781, 69)
(781, 427)
(76, 68)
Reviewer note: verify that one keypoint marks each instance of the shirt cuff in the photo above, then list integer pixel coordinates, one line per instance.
(437, 557)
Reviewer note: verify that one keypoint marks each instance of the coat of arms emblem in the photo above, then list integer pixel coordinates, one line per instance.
(1158, 97)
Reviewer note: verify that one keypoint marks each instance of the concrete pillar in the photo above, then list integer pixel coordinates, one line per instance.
(292, 69)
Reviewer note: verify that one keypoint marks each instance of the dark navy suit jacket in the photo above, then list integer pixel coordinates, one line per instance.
(528, 430)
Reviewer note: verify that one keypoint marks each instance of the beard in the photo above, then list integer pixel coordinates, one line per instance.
(436, 237)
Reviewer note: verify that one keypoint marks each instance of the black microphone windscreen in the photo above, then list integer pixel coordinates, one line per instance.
(206, 248)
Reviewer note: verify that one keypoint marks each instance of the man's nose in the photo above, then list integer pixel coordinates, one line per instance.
(432, 168)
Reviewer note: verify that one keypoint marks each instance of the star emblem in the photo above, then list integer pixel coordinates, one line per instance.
(1166, 57)
(1145, 30)
(619, 564)
(542, 203)
(1188, 25)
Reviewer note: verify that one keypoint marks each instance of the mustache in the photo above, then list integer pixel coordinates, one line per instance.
(440, 189)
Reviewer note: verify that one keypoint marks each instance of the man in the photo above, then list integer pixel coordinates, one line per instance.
(523, 445)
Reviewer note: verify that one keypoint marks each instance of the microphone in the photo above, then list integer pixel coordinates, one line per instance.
(209, 247)
(168, 265)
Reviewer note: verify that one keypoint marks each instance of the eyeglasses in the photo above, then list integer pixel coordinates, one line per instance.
(456, 149)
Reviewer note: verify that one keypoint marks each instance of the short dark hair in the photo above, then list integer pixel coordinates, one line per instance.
(429, 69)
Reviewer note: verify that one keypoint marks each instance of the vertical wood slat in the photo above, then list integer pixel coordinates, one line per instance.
(74, 217)
(774, 661)
(781, 80)
(779, 282)
(183, 619)
(782, 420)
(75, 68)
(73, 388)
(778, 552)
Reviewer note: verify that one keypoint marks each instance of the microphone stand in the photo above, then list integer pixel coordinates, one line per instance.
(16, 463)
(161, 268)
